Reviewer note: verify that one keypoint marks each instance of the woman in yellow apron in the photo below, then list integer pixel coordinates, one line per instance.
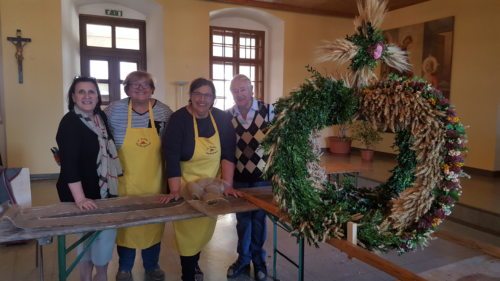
(140, 155)
(199, 143)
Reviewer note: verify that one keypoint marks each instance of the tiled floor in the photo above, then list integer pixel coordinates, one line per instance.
(17, 263)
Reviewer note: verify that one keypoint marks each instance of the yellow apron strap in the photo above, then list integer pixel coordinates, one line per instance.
(150, 112)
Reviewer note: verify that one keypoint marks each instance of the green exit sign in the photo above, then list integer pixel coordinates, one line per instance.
(115, 13)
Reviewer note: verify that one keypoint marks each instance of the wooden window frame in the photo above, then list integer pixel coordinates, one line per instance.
(113, 55)
(236, 61)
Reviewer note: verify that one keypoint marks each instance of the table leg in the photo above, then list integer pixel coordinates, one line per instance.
(275, 247)
(276, 251)
(301, 258)
(62, 252)
(61, 256)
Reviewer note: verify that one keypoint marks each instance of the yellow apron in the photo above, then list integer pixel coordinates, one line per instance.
(193, 234)
(140, 156)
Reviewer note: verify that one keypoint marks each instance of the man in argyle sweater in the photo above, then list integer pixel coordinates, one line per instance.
(250, 120)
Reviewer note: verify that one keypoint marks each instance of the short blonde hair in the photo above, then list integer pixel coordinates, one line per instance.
(136, 75)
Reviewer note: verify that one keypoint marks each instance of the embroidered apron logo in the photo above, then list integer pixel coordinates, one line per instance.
(143, 142)
(211, 150)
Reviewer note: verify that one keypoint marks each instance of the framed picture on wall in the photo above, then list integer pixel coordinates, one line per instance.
(430, 49)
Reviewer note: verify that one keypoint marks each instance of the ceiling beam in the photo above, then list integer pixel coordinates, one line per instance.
(286, 7)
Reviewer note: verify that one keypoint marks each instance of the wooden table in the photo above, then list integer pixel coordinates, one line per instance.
(42, 223)
(255, 198)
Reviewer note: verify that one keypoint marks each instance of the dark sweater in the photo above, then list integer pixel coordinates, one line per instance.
(78, 150)
(178, 140)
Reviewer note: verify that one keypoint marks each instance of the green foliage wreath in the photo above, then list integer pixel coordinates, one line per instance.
(399, 214)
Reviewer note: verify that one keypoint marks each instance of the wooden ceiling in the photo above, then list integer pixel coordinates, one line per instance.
(338, 8)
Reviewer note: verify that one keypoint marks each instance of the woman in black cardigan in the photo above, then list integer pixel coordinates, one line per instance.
(89, 167)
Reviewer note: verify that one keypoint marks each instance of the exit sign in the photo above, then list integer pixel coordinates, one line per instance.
(115, 13)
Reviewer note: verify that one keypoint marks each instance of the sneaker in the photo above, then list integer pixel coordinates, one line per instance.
(198, 274)
(260, 273)
(124, 276)
(237, 268)
(155, 275)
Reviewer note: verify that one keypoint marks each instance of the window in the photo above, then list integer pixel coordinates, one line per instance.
(235, 51)
(111, 48)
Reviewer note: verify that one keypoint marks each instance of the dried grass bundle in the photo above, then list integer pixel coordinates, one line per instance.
(397, 58)
(372, 12)
(340, 50)
(363, 77)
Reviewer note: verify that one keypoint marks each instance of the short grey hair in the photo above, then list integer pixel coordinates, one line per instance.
(241, 77)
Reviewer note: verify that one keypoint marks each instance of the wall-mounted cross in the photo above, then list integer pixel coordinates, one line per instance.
(19, 42)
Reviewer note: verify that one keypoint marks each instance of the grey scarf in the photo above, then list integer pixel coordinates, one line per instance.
(108, 164)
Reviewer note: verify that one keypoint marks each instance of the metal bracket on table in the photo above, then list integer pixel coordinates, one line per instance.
(287, 228)
(40, 242)
(62, 252)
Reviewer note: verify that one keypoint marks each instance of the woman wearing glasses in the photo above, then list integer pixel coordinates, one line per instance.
(200, 141)
(89, 167)
(138, 122)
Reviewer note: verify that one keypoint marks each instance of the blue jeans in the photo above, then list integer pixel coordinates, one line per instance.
(150, 257)
(252, 231)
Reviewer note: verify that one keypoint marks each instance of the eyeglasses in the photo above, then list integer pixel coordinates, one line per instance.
(199, 95)
(136, 85)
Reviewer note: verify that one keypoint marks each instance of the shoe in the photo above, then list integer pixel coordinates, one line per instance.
(124, 276)
(237, 268)
(155, 275)
(198, 274)
(260, 273)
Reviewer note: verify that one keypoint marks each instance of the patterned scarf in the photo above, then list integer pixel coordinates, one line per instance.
(108, 164)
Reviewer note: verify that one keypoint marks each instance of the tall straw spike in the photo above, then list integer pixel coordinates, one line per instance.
(373, 12)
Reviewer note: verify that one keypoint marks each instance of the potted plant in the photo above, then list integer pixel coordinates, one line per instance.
(340, 143)
(365, 133)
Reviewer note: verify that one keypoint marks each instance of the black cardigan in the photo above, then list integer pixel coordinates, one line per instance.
(178, 140)
(78, 150)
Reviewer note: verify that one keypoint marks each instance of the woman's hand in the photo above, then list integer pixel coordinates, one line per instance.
(86, 204)
(233, 192)
(165, 198)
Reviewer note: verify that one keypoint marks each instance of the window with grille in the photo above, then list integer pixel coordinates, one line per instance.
(111, 48)
(236, 51)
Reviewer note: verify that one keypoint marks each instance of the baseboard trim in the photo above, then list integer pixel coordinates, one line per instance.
(481, 172)
(479, 210)
(474, 226)
(36, 177)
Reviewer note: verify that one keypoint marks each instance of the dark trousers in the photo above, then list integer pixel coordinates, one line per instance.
(189, 265)
(252, 231)
(150, 257)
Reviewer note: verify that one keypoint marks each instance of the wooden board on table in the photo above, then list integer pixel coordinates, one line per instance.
(65, 218)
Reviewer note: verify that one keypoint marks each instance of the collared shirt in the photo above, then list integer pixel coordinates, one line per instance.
(246, 122)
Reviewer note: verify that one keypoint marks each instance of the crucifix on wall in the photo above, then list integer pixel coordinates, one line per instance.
(19, 42)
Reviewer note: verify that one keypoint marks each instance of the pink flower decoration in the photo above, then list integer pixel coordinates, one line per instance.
(377, 51)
